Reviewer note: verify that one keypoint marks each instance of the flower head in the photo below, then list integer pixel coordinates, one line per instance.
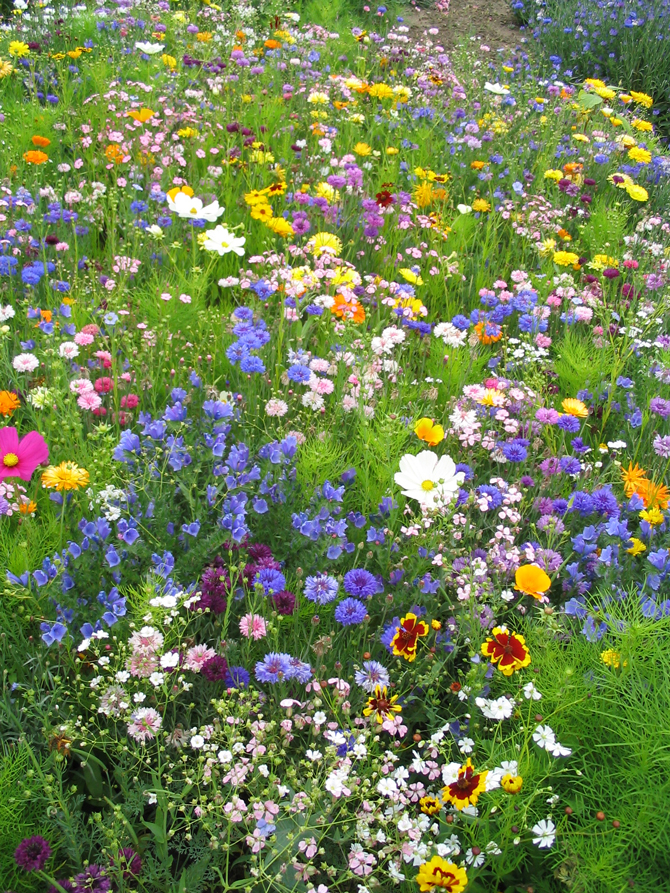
(506, 649)
(381, 705)
(511, 783)
(429, 479)
(222, 241)
(426, 429)
(32, 853)
(20, 458)
(532, 580)
(438, 874)
(467, 787)
(409, 631)
(66, 476)
(183, 203)
(575, 408)
(8, 403)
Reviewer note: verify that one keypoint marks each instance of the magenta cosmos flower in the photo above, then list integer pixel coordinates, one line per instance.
(20, 458)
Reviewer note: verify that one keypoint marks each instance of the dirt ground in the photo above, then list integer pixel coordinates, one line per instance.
(491, 21)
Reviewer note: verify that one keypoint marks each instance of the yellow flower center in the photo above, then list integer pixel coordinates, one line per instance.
(427, 486)
(10, 460)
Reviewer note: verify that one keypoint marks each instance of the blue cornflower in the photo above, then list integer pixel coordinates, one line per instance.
(273, 668)
(271, 580)
(299, 373)
(360, 583)
(299, 670)
(514, 452)
(53, 632)
(321, 589)
(252, 365)
(237, 352)
(570, 465)
(492, 495)
(350, 612)
(371, 675)
(237, 677)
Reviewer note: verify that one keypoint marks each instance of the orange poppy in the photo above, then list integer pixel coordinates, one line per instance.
(477, 165)
(141, 115)
(272, 44)
(40, 141)
(532, 580)
(34, 156)
(488, 333)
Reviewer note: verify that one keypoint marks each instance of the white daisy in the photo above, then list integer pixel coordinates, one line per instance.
(430, 479)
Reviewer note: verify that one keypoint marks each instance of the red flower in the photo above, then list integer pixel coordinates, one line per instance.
(384, 198)
(20, 458)
(506, 649)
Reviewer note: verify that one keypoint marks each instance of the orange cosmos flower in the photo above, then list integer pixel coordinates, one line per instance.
(532, 580)
(41, 141)
(506, 649)
(404, 641)
(272, 44)
(488, 332)
(477, 165)
(425, 429)
(8, 403)
(28, 508)
(575, 407)
(34, 156)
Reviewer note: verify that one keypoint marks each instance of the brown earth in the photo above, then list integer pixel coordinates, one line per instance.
(491, 21)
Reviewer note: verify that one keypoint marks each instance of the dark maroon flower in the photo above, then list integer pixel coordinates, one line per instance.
(589, 182)
(128, 860)
(214, 586)
(627, 290)
(586, 198)
(259, 551)
(215, 669)
(611, 273)
(590, 278)
(32, 853)
(233, 127)
(284, 602)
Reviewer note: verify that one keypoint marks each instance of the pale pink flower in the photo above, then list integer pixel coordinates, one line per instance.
(25, 362)
(252, 625)
(146, 639)
(197, 656)
(81, 385)
(144, 724)
(276, 407)
(142, 664)
(83, 339)
(88, 400)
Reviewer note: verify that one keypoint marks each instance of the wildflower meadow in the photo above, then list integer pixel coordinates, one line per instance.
(334, 504)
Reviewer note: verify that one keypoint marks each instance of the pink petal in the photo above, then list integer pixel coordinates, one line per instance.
(32, 451)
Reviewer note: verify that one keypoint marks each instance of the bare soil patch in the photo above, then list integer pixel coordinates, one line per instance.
(492, 21)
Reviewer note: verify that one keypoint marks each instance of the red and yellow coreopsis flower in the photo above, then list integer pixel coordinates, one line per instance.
(466, 789)
(506, 649)
(404, 642)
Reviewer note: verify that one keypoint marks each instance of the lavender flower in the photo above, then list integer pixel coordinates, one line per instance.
(350, 612)
(371, 675)
(273, 668)
(360, 583)
(321, 589)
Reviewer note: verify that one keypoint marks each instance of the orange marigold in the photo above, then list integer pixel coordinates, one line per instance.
(653, 495)
(348, 309)
(41, 141)
(34, 156)
(8, 403)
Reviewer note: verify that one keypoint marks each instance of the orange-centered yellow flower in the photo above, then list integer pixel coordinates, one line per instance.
(575, 407)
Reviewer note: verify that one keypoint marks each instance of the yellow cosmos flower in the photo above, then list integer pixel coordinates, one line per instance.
(325, 190)
(381, 706)
(643, 126)
(187, 132)
(410, 276)
(574, 407)
(481, 205)
(262, 212)
(325, 242)
(168, 61)
(280, 226)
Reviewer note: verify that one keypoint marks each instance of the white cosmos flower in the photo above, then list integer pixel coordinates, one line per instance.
(430, 479)
(223, 241)
(185, 205)
(464, 209)
(498, 89)
(544, 833)
(150, 48)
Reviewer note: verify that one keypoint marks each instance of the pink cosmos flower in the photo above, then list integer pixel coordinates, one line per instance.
(20, 458)
(251, 625)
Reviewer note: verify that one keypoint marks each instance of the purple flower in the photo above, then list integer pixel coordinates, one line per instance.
(660, 406)
(271, 580)
(360, 583)
(371, 675)
(662, 446)
(547, 416)
(215, 669)
(350, 612)
(129, 861)
(93, 880)
(32, 853)
(321, 589)
(284, 602)
(299, 670)
(274, 668)
(237, 677)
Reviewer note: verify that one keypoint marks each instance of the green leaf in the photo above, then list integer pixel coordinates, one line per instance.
(588, 100)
